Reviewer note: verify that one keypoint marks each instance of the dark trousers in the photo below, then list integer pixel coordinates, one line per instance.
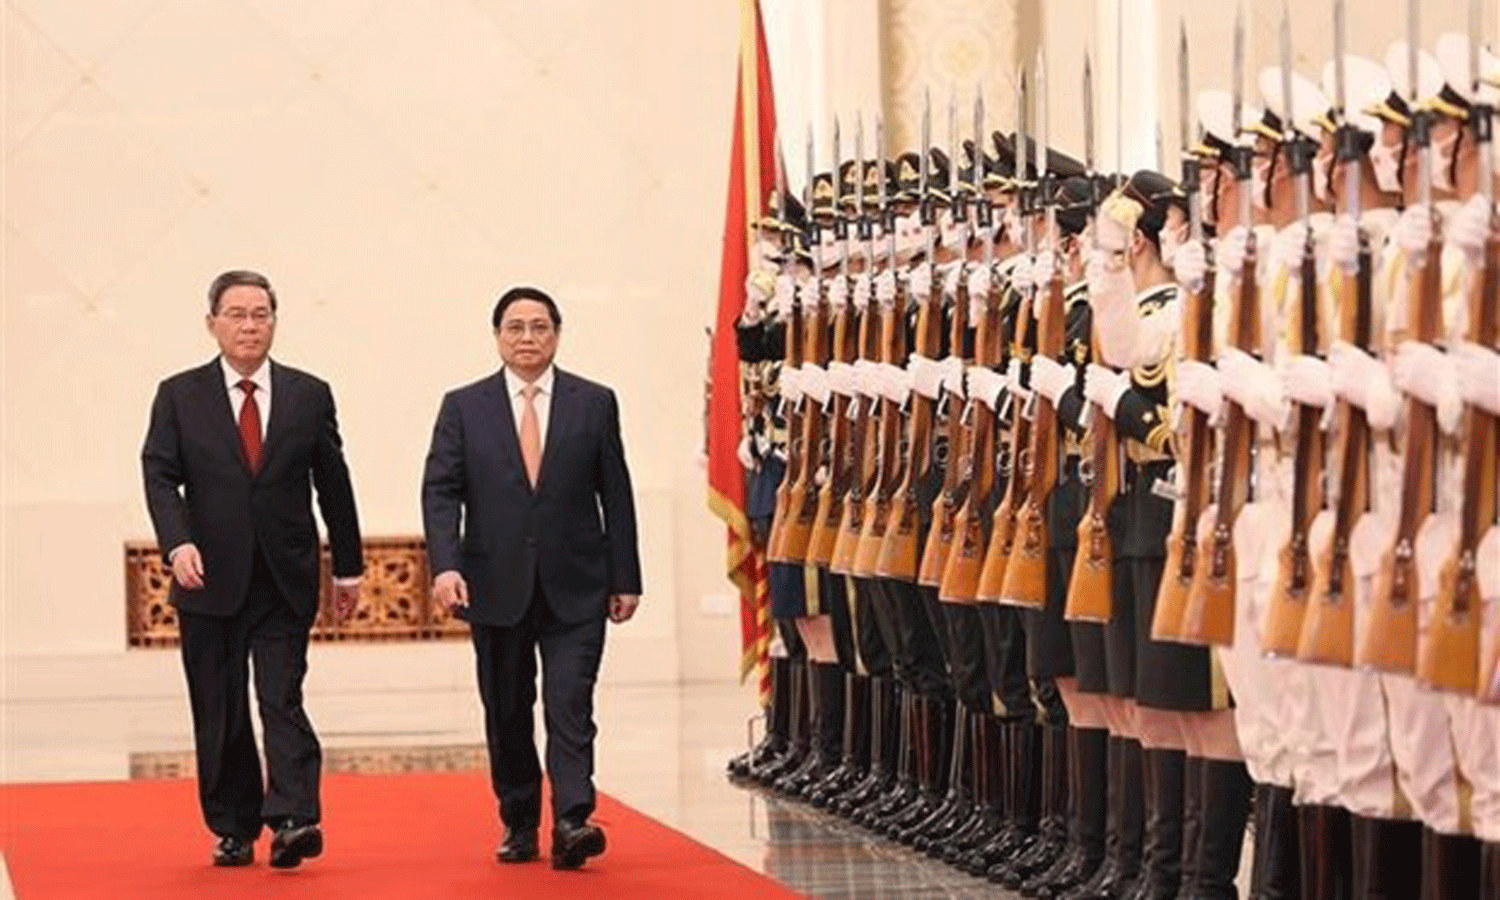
(506, 662)
(216, 654)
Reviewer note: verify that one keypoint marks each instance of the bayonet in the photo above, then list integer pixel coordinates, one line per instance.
(1088, 115)
(887, 215)
(924, 198)
(1186, 138)
(1480, 113)
(1299, 156)
(1348, 143)
(1421, 122)
(1023, 154)
(984, 219)
(840, 225)
(815, 246)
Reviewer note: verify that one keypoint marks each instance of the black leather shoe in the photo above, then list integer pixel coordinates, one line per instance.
(233, 851)
(574, 842)
(293, 843)
(519, 846)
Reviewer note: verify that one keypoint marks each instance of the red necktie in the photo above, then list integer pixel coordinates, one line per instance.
(250, 426)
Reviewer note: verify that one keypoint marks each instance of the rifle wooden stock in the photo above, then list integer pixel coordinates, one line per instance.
(1091, 585)
(826, 519)
(960, 576)
(781, 517)
(1449, 655)
(877, 511)
(1169, 621)
(898, 548)
(1025, 582)
(1282, 630)
(945, 508)
(1327, 634)
(1003, 524)
(1209, 619)
(803, 500)
(1388, 642)
(862, 453)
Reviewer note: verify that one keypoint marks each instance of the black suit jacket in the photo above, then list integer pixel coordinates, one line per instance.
(200, 489)
(575, 531)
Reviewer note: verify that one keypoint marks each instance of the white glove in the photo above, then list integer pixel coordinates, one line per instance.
(863, 284)
(1254, 386)
(919, 282)
(808, 296)
(1044, 268)
(745, 454)
(926, 375)
(759, 286)
(1414, 230)
(885, 289)
(841, 379)
(1105, 387)
(1343, 243)
(784, 298)
(1308, 380)
(1291, 246)
(1363, 381)
(1230, 254)
(1428, 374)
(1190, 265)
(790, 384)
(985, 385)
(1469, 227)
(1200, 386)
(1013, 379)
(979, 292)
(953, 375)
(867, 378)
(838, 293)
(1050, 377)
(815, 383)
(895, 383)
(1021, 277)
(953, 273)
(1478, 370)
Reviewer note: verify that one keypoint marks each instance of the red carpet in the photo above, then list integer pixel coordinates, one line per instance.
(407, 836)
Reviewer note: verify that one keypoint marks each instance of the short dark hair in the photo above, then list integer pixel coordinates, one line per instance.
(525, 293)
(237, 278)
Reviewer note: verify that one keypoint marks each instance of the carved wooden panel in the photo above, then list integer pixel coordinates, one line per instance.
(395, 602)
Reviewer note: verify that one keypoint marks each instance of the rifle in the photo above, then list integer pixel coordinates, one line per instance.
(1025, 581)
(1328, 627)
(1449, 655)
(1294, 575)
(1388, 642)
(1196, 450)
(1209, 618)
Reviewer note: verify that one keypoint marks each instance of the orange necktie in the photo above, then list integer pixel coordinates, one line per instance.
(531, 434)
(250, 438)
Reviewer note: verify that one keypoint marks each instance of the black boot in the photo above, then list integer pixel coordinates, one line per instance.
(1122, 863)
(881, 774)
(1045, 882)
(1327, 860)
(904, 791)
(1192, 824)
(1489, 878)
(933, 715)
(806, 742)
(985, 820)
(796, 729)
(996, 778)
(1012, 766)
(1090, 789)
(856, 750)
(1224, 807)
(827, 729)
(1162, 857)
(1383, 853)
(1052, 827)
(1027, 785)
(1450, 867)
(946, 819)
(773, 741)
(1278, 861)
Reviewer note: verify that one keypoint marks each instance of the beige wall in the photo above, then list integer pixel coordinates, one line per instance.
(393, 166)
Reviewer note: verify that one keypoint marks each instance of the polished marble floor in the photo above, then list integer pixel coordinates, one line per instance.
(662, 749)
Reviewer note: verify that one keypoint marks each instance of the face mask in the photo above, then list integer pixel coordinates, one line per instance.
(955, 235)
(1258, 174)
(1386, 161)
(1171, 241)
(1442, 159)
(1322, 164)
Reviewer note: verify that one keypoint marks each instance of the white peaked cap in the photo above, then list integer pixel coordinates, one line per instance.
(1429, 73)
(1366, 84)
(1308, 103)
(1216, 111)
(1453, 58)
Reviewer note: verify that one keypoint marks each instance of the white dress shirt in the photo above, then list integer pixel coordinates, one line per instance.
(262, 379)
(544, 382)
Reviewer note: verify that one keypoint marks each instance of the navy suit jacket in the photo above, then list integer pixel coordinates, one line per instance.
(574, 532)
(199, 488)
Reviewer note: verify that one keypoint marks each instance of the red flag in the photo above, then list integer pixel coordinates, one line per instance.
(751, 163)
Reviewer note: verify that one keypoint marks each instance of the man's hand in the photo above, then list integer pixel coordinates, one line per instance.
(622, 607)
(449, 590)
(345, 600)
(187, 566)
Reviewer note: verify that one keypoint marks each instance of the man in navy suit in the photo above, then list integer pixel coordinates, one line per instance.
(531, 535)
(234, 450)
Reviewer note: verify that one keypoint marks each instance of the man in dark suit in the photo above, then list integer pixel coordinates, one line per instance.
(530, 460)
(233, 451)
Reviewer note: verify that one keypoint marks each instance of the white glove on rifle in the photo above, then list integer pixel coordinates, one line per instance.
(1230, 254)
(985, 385)
(1428, 374)
(1044, 268)
(790, 384)
(1200, 386)
(1478, 376)
(1051, 377)
(1020, 274)
(864, 287)
(895, 383)
(759, 287)
(1254, 386)
(1343, 243)
(1414, 230)
(953, 273)
(1308, 380)
(784, 298)
(815, 383)
(1291, 247)
(808, 295)
(926, 375)
(953, 375)
(979, 292)
(1105, 387)
(885, 289)
(1469, 227)
(919, 282)
(841, 378)
(1364, 381)
(838, 293)
(1190, 265)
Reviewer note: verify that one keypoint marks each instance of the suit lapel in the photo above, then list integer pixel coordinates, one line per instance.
(560, 417)
(283, 397)
(214, 395)
(505, 424)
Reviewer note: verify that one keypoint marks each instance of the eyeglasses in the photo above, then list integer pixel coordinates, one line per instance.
(240, 316)
(515, 329)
